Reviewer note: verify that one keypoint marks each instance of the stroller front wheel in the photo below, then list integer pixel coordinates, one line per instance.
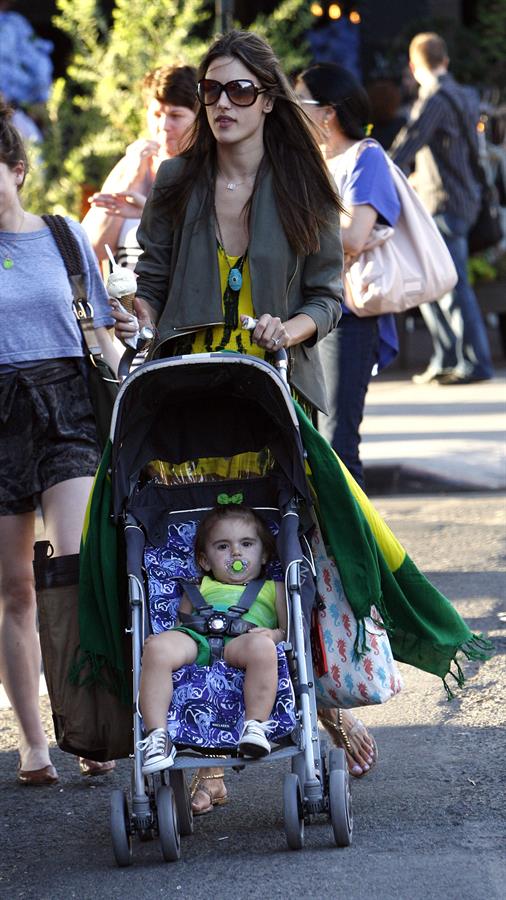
(120, 829)
(340, 809)
(168, 827)
(183, 801)
(293, 811)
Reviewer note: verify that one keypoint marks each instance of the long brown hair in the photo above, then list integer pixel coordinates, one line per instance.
(12, 149)
(305, 195)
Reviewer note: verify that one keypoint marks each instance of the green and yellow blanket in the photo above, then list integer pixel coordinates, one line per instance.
(425, 629)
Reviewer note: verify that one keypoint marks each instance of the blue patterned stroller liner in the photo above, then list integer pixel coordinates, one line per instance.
(207, 709)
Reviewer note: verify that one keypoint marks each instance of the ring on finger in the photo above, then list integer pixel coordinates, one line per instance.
(276, 341)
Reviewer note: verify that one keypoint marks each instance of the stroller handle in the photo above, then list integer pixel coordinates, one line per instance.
(280, 356)
(146, 335)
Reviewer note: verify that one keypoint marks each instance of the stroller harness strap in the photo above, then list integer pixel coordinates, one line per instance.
(215, 623)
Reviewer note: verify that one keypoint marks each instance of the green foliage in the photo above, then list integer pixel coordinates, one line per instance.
(479, 269)
(491, 30)
(97, 109)
(285, 29)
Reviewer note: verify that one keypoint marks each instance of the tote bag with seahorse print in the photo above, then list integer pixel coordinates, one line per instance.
(341, 678)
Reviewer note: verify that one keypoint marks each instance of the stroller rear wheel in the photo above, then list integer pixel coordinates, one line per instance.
(168, 827)
(293, 811)
(183, 801)
(340, 809)
(120, 829)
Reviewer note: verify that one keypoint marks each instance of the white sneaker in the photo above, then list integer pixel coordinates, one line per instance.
(158, 751)
(253, 741)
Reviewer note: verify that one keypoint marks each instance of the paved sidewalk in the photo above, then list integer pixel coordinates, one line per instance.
(453, 434)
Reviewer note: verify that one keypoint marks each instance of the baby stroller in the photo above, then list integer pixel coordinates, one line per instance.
(216, 406)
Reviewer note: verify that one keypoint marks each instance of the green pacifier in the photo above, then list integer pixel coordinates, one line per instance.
(237, 566)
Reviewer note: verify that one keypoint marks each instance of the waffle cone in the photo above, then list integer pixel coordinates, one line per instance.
(127, 300)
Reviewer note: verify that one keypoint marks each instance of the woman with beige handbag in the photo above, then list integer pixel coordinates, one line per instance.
(339, 108)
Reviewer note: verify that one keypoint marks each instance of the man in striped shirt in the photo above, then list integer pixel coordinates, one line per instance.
(434, 141)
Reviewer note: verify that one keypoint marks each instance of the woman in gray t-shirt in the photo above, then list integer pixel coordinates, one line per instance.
(48, 444)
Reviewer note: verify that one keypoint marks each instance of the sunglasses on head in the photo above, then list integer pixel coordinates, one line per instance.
(241, 92)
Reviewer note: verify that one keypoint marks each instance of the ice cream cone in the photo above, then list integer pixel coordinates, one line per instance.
(127, 301)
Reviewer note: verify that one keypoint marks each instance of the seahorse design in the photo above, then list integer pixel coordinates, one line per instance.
(336, 674)
(329, 641)
(347, 624)
(362, 689)
(382, 675)
(368, 668)
(334, 612)
(341, 649)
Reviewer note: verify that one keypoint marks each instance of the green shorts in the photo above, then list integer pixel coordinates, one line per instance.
(203, 648)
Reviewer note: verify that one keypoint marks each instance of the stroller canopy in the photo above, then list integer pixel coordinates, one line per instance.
(204, 405)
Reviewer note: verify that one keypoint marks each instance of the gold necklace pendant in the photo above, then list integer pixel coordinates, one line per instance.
(8, 262)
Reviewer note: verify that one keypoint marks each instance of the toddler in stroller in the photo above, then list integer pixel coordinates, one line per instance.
(239, 616)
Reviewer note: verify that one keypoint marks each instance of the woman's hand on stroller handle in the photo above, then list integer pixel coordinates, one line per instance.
(268, 331)
(275, 346)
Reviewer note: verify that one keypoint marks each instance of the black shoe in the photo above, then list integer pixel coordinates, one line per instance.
(453, 378)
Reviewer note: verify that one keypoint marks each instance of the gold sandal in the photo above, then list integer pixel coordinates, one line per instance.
(341, 738)
(196, 785)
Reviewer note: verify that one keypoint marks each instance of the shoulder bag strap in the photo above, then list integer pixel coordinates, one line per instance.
(474, 158)
(73, 261)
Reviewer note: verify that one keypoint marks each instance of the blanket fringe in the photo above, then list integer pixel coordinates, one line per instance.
(384, 620)
(477, 647)
(360, 647)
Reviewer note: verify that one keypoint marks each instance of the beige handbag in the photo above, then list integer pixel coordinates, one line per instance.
(400, 267)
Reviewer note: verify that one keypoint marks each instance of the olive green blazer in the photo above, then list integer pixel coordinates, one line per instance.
(179, 274)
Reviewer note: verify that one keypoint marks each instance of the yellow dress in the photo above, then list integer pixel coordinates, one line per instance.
(208, 340)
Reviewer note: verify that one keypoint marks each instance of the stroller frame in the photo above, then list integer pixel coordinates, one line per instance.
(318, 782)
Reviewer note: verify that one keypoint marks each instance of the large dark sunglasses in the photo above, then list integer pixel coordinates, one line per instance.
(241, 92)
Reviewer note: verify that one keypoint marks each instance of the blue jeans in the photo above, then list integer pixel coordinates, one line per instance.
(348, 355)
(455, 324)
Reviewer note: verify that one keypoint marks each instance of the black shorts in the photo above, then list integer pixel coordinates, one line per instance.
(47, 431)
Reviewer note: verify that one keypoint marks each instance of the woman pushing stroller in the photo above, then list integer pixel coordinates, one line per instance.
(234, 545)
(245, 223)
